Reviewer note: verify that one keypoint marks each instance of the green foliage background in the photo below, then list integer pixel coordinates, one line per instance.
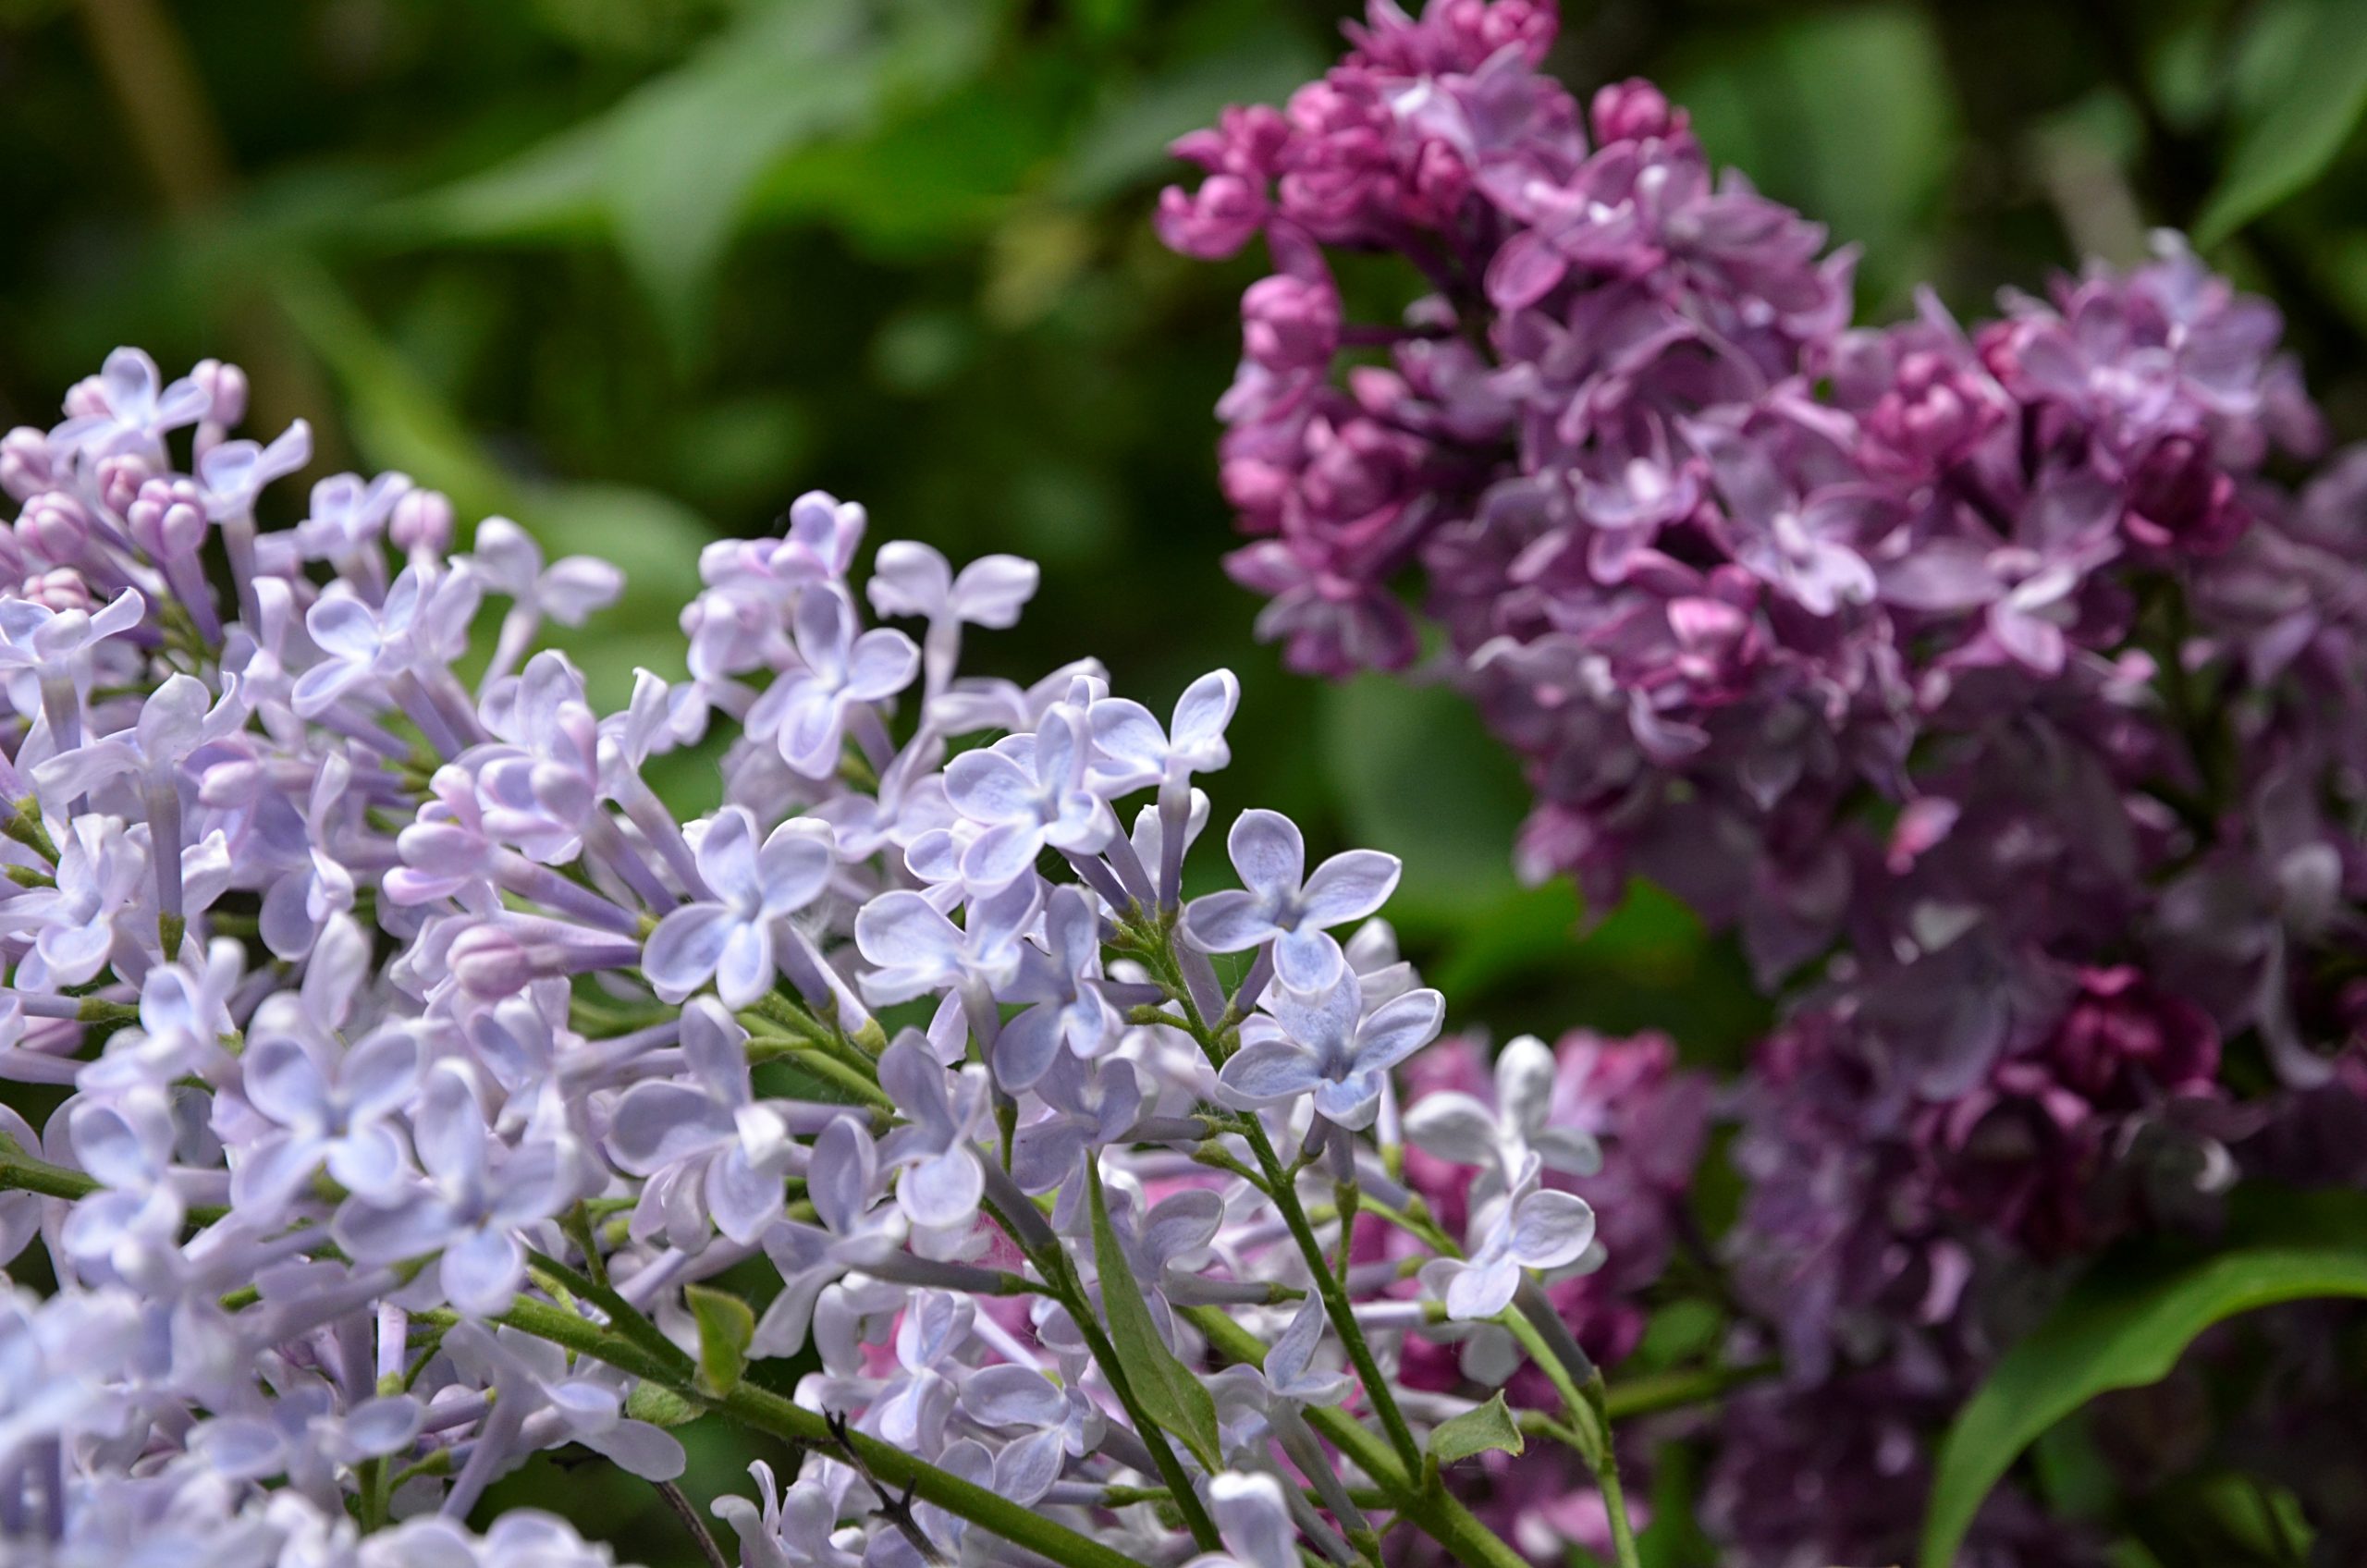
(636, 272)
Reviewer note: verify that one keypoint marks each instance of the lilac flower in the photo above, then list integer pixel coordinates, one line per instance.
(806, 712)
(1132, 750)
(584, 1396)
(1325, 1046)
(731, 937)
(126, 407)
(1092, 1104)
(469, 1209)
(856, 1233)
(1062, 1424)
(1454, 1125)
(334, 1116)
(1279, 904)
(796, 1528)
(349, 515)
(911, 578)
(1253, 1522)
(423, 621)
(1525, 1226)
(1029, 791)
(234, 472)
(99, 870)
(711, 1134)
(936, 1151)
(126, 1142)
(917, 949)
(1071, 1008)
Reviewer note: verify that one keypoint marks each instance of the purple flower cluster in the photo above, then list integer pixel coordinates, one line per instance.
(426, 1069)
(1987, 679)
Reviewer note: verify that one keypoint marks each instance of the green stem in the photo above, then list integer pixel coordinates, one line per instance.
(1336, 1305)
(769, 1412)
(1069, 1291)
(1281, 1189)
(1432, 1509)
(748, 1404)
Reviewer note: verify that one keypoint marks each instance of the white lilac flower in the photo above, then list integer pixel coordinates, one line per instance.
(729, 938)
(1028, 792)
(1454, 1125)
(1279, 902)
(1526, 1227)
(1327, 1046)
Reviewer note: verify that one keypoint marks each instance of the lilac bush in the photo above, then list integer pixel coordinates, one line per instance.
(428, 1079)
(1998, 683)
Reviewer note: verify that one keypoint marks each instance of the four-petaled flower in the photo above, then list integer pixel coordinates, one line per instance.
(729, 936)
(1278, 902)
(1325, 1046)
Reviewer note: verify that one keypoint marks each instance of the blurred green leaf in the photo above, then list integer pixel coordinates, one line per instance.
(670, 168)
(2292, 132)
(1416, 772)
(1846, 114)
(1126, 140)
(397, 423)
(2125, 1327)
(684, 151)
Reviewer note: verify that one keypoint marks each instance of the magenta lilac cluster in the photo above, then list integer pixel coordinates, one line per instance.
(1993, 681)
(426, 1076)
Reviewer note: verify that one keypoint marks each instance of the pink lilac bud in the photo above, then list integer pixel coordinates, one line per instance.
(55, 526)
(59, 590)
(225, 387)
(1633, 110)
(120, 477)
(167, 519)
(25, 468)
(422, 523)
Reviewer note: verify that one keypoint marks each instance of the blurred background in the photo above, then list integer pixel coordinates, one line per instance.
(637, 272)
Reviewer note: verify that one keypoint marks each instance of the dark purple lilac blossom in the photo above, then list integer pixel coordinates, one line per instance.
(1988, 679)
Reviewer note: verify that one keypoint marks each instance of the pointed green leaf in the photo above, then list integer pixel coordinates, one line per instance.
(2300, 127)
(1489, 1429)
(2117, 1330)
(1164, 1387)
(726, 1325)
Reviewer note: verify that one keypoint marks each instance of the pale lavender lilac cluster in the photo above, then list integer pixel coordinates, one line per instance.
(425, 1067)
(1986, 680)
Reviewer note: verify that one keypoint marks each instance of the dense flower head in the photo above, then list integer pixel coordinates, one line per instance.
(1992, 680)
(425, 1068)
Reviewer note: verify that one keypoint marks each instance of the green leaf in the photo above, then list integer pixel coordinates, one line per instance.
(659, 1406)
(684, 150)
(1163, 1386)
(1415, 769)
(1125, 140)
(1487, 1428)
(726, 1325)
(2300, 126)
(1846, 112)
(2119, 1330)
